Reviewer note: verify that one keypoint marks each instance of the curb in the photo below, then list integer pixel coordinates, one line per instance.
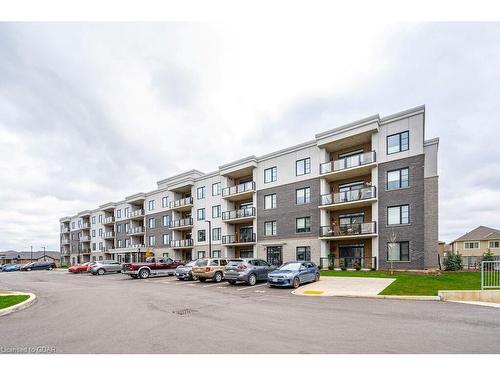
(411, 298)
(20, 306)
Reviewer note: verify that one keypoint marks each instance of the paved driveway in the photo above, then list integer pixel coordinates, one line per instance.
(116, 314)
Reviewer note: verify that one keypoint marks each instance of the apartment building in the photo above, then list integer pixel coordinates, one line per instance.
(365, 193)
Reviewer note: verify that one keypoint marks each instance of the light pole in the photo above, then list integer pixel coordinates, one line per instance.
(43, 247)
(31, 253)
(209, 238)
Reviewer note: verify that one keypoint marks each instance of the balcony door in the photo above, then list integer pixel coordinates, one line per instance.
(351, 254)
(351, 159)
(351, 223)
(350, 192)
(246, 234)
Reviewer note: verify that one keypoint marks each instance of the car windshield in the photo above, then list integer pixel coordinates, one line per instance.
(235, 262)
(290, 267)
(201, 262)
(190, 264)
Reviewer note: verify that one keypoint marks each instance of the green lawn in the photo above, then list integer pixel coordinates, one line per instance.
(7, 301)
(419, 285)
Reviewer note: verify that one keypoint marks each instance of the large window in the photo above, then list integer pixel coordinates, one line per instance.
(304, 253)
(397, 142)
(216, 211)
(216, 189)
(152, 222)
(398, 251)
(398, 215)
(93, 219)
(216, 254)
(216, 234)
(151, 205)
(164, 202)
(270, 174)
(270, 228)
(269, 201)
(152, 240)
(118, 213)
(118, 228)
(494, 244)
(166, 219)
(166, 239)
(471, 245)
(303, 166)
(200, 254)
(200, 192)
(303, 195)
(200, 214)
(126, 211)
(303, 224)
(93, 232)
(397, 179)
(202, 235)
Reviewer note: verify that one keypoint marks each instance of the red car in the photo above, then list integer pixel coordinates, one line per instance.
(79, 268)
(152, 267)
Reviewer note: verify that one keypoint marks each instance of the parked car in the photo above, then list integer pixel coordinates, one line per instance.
(36, 266)
(209, 268)
(247, 270)
(184, 272)
(10, 267)
(293, 274)
(90, 265)
(79, 268)
(105, 266)
(152, 267)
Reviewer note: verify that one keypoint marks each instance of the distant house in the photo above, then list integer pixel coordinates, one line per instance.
(22, 257)
(477, 242)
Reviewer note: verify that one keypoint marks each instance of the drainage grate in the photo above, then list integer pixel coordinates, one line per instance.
(184, 312)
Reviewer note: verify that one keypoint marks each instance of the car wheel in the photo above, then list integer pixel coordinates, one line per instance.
(202, 279)
(101, 271)
(144, 273)
(194, 278)
(28, 269)
(316, 277)
(232, 282)
(252, 279)
(296, 283)
(218, 277)
(50, 268)
(133, 276)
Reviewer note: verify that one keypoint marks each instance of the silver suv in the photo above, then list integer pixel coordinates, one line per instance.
(105, 266)
(247, 270)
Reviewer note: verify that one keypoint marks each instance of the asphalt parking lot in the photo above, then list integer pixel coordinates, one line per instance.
(116, 314)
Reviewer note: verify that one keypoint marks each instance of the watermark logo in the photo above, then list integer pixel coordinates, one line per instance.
(40, 349)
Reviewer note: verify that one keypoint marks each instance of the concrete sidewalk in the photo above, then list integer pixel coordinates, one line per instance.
(345, 287)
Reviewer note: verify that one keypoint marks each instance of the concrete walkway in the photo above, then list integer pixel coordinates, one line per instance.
(345, 287)
(20, 306)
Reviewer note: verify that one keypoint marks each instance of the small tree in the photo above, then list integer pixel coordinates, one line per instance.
(453, 262)
(393, 237)
(488, 256)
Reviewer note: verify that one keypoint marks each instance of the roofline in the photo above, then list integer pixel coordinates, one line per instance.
(431, 142)
(406, 113)
(238, 162)
(350, 126)
(183, 174)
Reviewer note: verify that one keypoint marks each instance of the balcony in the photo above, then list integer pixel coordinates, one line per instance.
(136, 214)
(85, 250)
(136, 246)
(65, 230)
(183, 204)
(136, 231)
(237, 240)
(108, 235)
(86, 226)
(349, 199)
(181, 244)
(352, 166)
(109, 220)
(84, 239)
(238, 216)
(108, 248)
(239, 192)
(354, 230)
(65, 242)
(185, 223)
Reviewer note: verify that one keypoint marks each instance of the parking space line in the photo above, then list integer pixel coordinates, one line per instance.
(254, 286)
(208, 286)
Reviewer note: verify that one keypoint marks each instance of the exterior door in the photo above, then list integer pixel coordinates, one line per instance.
(351, 223)
(246, 234)
(275, 255)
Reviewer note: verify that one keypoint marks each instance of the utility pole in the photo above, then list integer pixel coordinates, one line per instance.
(43, 247)
(209, 238)
(31, 253)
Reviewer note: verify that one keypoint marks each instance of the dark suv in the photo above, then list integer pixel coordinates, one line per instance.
(34, 266)
(247, 270)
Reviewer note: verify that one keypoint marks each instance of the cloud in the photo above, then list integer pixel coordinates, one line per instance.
(90, 113)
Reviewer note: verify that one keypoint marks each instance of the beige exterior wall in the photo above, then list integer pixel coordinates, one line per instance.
(458, 246)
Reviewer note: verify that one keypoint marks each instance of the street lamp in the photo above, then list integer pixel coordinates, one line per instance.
(209, 238)
(43, 247)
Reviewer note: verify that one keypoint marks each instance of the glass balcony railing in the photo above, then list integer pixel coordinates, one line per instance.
(354, 229)
(109, 235)
(347, 163)
(349, 196)
(233, 238)
(136, 213)
(109, 220)
(84, 238)
(181, 202)
(181, 243)
(241, 188)
(238, 214)
(188, 221)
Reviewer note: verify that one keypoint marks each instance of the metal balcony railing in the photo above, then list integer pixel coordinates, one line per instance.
(181, 243)
(237, 214)
(353, 229)
(348, 162)
(181, 202)
(233, 238)
(84, 238)
(241, 188)
(85, 225)
(349, 196)
(109, 220)
(135, 230)
(109, 234)
(136, 213)
(188, 221)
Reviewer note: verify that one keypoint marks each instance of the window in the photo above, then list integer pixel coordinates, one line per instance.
(398, 251)
(303, 196)
(73, 225)
(164, 202)
(269, 201)
(166, 239)
(165, 220)
(165, 256)
(270, 174)
(303, 166)
(246, 253)
(100, 219)
(100, 245)
(125, 212)
(471, 245)
(216, 234)
(152, 240)
(93, 232)
(304, 253)
(127, 226)
(397, 142)
(398, 215)
(100, 232)
(118, 213)
(94, 246)
(152, 223)
(151, 205)
(119, 243)
(494, 244)
(216, 189)
(270, 228)
(303, 224)
(202, 235)
(93, 219)
(127, 242)
(397, 179)
(215, 211)
(79, 223)
(200, 214)
(216, 254)
(118, 228)
(200, 192)
(274, 255)
(200, 254)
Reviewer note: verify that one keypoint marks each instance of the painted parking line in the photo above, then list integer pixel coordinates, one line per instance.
(254, 286)
(211, 285)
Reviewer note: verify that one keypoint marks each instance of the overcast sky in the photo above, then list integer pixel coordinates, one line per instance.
(90, 113)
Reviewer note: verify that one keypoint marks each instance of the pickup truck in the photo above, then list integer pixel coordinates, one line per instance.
(151, 267)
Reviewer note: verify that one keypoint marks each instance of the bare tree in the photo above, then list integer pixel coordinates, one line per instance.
(393, 238)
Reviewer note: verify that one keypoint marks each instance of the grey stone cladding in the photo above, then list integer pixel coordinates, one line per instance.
(121, 235)
(287, 210)
(73, 238)
(414, 196)
(159, 230)
(431, 222)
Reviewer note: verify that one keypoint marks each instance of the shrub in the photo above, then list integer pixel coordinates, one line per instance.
(488, 256)
(453, 262)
